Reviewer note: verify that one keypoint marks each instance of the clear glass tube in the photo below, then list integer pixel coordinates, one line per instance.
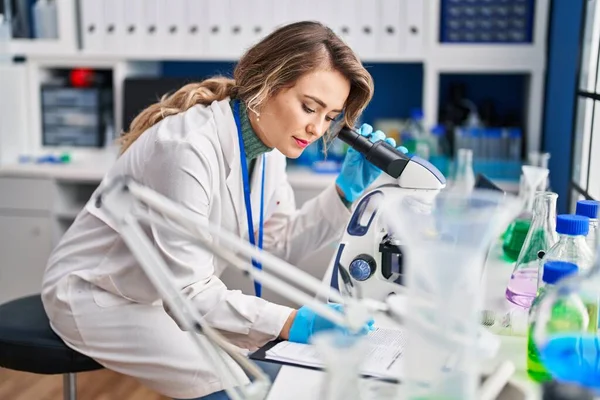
(343, 356)
(464, 178)
(541, 236)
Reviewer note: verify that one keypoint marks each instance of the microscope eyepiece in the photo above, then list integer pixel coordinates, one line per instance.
(381, 154)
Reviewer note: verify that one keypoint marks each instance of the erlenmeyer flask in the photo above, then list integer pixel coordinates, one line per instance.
(515, 235)
(541, 236)
(446, 242)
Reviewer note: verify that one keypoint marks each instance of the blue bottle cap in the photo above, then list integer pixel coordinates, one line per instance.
(416, 113)
(588, 208)
(554, 271)
(568, 224)
(438, 130)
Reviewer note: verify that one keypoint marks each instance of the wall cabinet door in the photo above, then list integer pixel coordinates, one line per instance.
(25, 245)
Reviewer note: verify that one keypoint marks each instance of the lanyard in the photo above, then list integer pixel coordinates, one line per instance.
(246, 182)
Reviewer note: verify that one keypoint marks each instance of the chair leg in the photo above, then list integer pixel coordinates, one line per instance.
(69, 387)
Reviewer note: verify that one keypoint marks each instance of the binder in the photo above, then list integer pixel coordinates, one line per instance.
(389, 32)
(366, 23)
(150, 33)
(133, 26)
(113, 25)
(196, 26)
(92, 16)
(238, 26)
(219, 26)
(261, 20)
(415, 27)
(171, 32)
(347, 22)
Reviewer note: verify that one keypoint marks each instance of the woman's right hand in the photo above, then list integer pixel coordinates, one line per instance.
(306, 323)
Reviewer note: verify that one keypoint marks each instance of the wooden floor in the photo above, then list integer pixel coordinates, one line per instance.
(96, 385)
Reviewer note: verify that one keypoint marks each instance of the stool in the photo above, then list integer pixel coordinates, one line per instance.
(27, 343)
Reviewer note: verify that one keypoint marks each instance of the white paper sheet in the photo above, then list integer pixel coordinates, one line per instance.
(383, 359)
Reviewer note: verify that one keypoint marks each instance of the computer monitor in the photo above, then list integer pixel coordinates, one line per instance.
(139, 93)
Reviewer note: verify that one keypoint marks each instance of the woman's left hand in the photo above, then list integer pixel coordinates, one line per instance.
(357, 173)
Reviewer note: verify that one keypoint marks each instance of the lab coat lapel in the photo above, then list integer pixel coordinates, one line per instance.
(255, 190)
(227, 133)
(236, 192)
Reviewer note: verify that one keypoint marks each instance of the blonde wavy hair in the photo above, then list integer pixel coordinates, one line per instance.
(273, 64)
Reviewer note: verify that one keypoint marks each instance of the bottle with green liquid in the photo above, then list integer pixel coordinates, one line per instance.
(568, 315)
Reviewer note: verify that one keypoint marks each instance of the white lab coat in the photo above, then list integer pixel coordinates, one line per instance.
(99, 300)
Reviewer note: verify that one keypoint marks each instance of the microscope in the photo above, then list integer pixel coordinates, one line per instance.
(368, 260)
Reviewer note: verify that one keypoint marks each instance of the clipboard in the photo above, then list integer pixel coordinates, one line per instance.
(261, 355)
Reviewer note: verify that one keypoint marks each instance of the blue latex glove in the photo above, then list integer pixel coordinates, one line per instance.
(357, 173)
(307, 322)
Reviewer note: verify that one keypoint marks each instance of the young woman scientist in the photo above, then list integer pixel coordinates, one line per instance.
(198, 147)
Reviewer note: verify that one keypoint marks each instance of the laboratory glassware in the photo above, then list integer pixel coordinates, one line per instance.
(589, 208)
(541, 236)
(464, 178)
(515, 235)
(343, 356)
(571, 245)
(540, 159)
(573, 353)
(554, 271)
(446, 241)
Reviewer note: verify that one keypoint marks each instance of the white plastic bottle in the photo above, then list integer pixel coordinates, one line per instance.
(45, 19)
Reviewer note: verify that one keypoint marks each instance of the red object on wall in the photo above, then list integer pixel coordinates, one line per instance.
(82, 77)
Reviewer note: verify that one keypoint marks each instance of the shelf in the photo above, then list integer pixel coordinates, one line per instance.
(74, 172)
(38, 47)
(478, 58)
(111, 57)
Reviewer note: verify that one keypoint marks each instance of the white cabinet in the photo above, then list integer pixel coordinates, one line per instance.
(25, 234)
(36, 209)
(25, 245)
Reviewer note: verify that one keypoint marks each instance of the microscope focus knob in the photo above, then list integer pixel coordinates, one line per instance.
(362, 267)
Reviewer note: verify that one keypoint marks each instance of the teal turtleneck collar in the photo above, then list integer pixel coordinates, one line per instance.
(253, 146)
